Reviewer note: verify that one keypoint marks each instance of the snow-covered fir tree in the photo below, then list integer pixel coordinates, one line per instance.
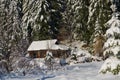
(112, 45)
(35, 17)
(69, 17)
(81, 17)
(10, 29)
(99, 13)
(41, 18)
(74, 20)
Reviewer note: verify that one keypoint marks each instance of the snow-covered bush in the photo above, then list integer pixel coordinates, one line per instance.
(96, 58)
(74, 57)
(112, 64)
(79, 56)
(28, 66)
(49, 61)
(3, 67)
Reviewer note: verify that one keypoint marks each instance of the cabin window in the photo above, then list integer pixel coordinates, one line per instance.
(0, 51)
(34, 55)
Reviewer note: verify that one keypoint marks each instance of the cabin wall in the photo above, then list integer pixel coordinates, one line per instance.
(42, 53)
(37, 54)
(59, 53)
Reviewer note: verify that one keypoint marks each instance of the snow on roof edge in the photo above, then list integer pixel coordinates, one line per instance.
(45, 44)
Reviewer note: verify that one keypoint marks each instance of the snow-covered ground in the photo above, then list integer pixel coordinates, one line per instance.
(82, 71)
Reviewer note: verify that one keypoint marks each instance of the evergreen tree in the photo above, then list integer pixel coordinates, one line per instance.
(55, 11)
(10, 29)
(112, 45)
(42, 20)
(81, 17)
(35, 19)
(99, 13)
(72, 18)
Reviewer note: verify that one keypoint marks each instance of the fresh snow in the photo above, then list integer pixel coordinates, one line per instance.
(46, 44)
(82, 71)
(42, 17)
(111, 42)
(111, 63)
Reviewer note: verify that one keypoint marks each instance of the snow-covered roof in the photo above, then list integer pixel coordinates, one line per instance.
(46, 44)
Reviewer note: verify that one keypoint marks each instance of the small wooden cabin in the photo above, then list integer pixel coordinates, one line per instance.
(38, 49)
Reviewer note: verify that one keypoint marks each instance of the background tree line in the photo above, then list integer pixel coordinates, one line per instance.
(22, 21)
